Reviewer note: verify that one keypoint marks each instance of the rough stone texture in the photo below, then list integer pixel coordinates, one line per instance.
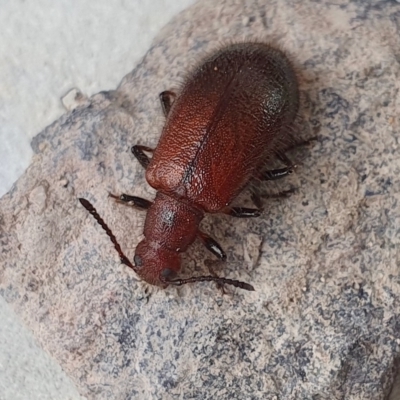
(323, 322)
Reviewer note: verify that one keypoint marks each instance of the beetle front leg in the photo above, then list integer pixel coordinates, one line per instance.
(133, 201)
(211, 245)
(138, 152)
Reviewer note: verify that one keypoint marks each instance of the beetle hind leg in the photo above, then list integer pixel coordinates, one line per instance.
(167, 98)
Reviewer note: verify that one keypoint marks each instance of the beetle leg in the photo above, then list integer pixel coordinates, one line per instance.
(242, 212)
(138, 152)
(275, 174)
(132, 201)
(167, 98)
(211, 245)
(279, 173)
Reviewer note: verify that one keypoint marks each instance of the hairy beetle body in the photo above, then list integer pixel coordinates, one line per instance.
(233, 112)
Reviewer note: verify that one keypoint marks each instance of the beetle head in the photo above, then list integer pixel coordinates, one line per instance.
(155, 264)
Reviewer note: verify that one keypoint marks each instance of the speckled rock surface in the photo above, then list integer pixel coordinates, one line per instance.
(324, 320)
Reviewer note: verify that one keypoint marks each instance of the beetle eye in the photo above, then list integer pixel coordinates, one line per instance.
(138, 261)
(168, 274)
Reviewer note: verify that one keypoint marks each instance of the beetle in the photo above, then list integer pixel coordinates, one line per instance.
(234, 112)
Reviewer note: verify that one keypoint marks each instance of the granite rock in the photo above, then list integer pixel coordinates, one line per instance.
(324, 320)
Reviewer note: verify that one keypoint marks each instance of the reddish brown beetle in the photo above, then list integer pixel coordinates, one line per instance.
(233, 113)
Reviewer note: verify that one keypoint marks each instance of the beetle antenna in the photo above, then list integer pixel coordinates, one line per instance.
(233, 282)
(88, 205)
